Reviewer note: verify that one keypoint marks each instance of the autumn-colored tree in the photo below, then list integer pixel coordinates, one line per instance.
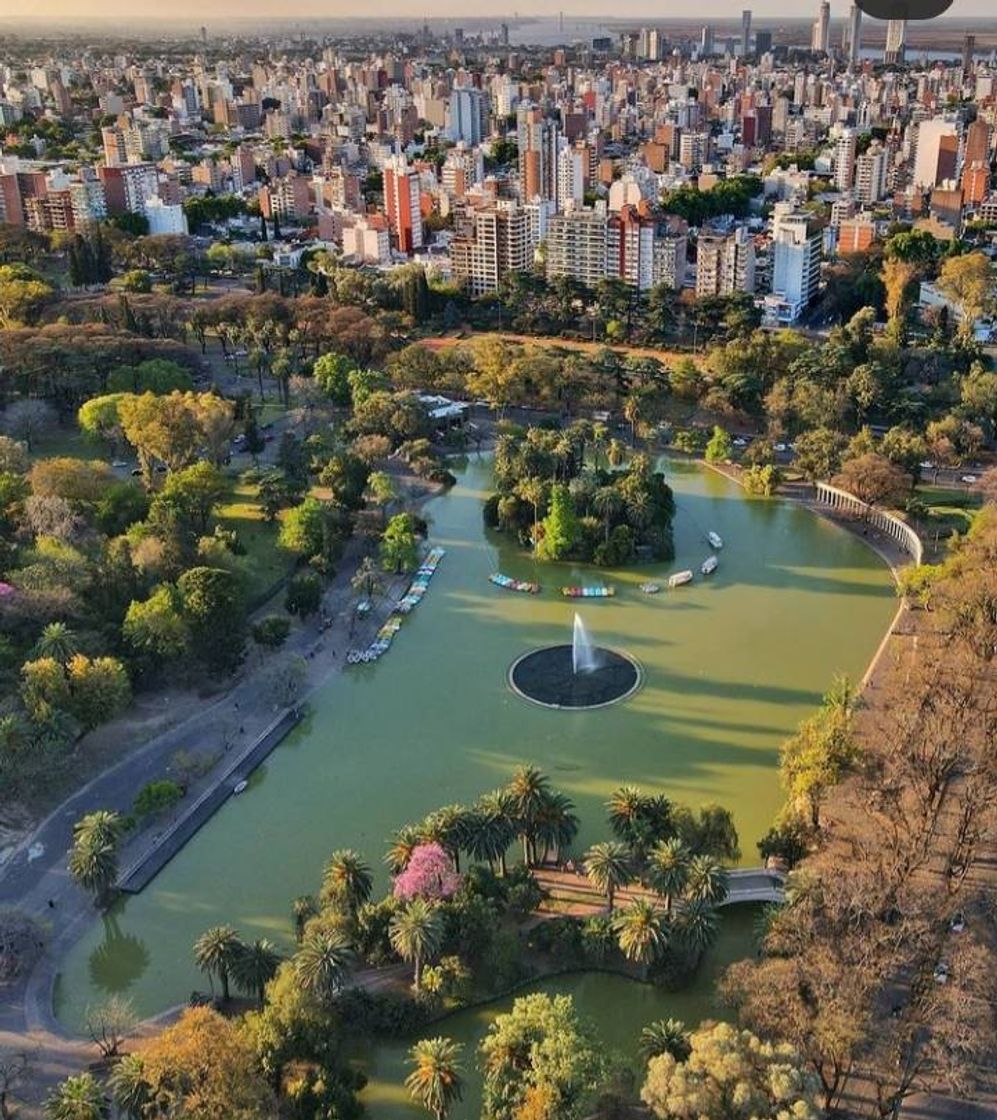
(205, 1068)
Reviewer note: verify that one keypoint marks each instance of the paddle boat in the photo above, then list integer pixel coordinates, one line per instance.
(680, 578)
(710, 565)
(528, 587)
(588, 592)
(715, 539)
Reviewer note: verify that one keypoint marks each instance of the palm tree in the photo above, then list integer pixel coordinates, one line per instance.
(625, 807)
(632, 413)
(435, 1081)
(347, 880)
(607, 502)
(215, 952)
(93, 858)
(403, 844)
(303, 909)
(556, 825)
(532, 490)
(322, 962)
(528, 788)
(668, 870)
(642, 933)
(416, 934)
(57, 641)
(600, 438)
(608, 866)
(495, 828)
(102, 826)
(696, 926)
(255, 966)
(77, 1098)
(708, 880)
(450, 828)
(665, 1036)
(129, 1088)
(639, 508)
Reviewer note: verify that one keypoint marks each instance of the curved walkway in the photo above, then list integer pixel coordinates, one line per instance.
(575, 889)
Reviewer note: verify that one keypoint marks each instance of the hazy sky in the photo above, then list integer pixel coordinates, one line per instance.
(212, 12)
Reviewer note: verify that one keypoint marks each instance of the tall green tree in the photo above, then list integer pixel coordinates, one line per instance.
(609, 867)
(347, 881)
(323, 963)
(216, 952)
(435, 1081)
(416, 934)
(78, 1098)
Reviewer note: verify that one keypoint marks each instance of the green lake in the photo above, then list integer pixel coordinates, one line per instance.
(731, 664)
(620, 1008)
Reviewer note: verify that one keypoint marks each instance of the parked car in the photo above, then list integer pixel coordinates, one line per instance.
(969, 479)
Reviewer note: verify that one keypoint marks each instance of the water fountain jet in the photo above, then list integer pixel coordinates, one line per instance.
(584, 658)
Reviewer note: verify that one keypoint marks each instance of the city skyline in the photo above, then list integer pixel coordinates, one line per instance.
(54, 11)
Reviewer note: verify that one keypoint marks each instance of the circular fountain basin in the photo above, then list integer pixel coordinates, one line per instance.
(547, 677)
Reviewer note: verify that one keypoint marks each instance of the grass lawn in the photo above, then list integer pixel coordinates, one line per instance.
(949, 511)
(266, 562)
(64, 442)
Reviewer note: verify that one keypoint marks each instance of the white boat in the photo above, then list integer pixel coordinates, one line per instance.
(650, 588)
(680, 577)
(710, 565)
(715, 539)
(239, 787)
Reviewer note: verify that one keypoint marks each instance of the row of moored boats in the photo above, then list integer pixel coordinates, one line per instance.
(530, 587)
(408, 602)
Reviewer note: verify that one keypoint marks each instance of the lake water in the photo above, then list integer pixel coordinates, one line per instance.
(731, 666)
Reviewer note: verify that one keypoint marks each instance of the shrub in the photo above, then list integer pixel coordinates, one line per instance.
(157, 797)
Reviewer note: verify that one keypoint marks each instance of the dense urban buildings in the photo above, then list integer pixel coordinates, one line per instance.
(483, 159)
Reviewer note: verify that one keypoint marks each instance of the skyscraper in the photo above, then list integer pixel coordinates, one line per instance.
(539, 143)
(401, 199)
(706, 42)
(821, 28)
(896, 42)
(853, 35)
(968, 50)
(468, 115)
(844, 160)
(745, 32)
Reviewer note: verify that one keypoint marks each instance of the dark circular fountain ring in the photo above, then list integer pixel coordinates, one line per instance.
(546, 676)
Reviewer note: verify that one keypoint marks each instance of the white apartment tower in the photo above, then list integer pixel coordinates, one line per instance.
(821, 29)
(844, 160)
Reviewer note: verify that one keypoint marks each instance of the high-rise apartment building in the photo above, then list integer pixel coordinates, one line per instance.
(489, 243)
(870, 175)
(935, 152)
(896, 42)
(820, 33)
(853, 35)
(844, 160)
(796, 265)
(401, 200)
(725, 263)
(539, 144)
(468, 115)
(576, 245)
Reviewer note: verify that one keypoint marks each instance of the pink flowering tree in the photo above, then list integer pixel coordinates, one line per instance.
(429, 874)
